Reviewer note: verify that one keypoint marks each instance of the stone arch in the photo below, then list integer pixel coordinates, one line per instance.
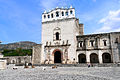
(81, 58)
(57, 35)
(94, 58)
(19, 60)
(13, 61)
(58, 56)
(106, 57)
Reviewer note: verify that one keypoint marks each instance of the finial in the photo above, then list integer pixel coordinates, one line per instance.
(45, 11)
(70, 6)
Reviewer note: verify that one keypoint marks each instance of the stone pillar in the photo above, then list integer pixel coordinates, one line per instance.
(87, 57)
(100, 57)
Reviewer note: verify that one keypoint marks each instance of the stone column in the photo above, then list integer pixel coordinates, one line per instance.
(87, 57)
(100, 57)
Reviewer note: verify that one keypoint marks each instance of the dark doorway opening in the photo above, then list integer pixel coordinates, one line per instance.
(57, 57)
(94, 58)
(106, 58)
(82, 58)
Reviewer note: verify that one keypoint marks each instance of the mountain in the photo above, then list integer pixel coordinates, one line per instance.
(22, 44)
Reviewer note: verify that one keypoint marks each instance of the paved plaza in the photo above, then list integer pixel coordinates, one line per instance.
(61, 73)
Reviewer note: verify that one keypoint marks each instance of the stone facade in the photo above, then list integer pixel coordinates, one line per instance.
(98, 48)
(36, 56)
(18, 60)
(63, 41)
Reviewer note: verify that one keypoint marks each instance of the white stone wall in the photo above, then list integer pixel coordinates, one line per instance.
(98, 47)
(36, 54)
(3, 64)
(60, 10)
(68, 32)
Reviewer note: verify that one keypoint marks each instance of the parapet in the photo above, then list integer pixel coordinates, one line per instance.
(58, 13)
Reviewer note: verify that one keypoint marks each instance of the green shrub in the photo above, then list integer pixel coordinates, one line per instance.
(17, 52)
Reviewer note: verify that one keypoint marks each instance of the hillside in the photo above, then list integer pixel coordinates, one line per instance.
(22, 45)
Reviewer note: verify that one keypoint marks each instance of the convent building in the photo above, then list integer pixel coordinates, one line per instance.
(63, 41)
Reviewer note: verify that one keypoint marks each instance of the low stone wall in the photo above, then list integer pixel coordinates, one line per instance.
(18, 59)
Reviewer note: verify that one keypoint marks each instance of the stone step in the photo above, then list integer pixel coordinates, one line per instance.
(81, 65)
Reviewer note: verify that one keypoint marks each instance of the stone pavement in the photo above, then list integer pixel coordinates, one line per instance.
(61, 73)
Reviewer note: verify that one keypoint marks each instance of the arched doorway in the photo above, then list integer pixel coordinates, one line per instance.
(13, 61)
(82, 58)
(106, 57)
(19, 60)
(94, 58)
(57, 57)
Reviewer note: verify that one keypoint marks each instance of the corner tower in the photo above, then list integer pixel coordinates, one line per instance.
(59, 30)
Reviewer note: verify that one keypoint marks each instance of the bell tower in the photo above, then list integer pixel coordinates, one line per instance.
(59, 30)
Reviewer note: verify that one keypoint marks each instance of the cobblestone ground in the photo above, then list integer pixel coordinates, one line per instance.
(61, 73)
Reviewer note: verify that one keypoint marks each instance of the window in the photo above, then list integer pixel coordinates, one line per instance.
(66, 13)
(116, 41)
(105, 44)
(51, 15)
(44, 16)
(92, 43)
(57, 14)
(48, 16)
(80, 44)
(57, 35)
(62, 13)
(71, 12)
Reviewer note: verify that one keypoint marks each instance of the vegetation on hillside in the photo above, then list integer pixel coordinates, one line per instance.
(17, 52)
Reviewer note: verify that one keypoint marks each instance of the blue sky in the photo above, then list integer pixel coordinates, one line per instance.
(20, 20)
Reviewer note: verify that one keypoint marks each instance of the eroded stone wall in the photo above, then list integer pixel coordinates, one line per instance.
(36, 55)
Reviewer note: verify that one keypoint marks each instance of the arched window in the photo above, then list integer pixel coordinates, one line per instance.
(71, 12)
(51, 15)
(62, 13)
(48, 16)
(92, 43)
(66, 13)
(44, 16)
(57, 35)
(57, 14)
(105, 42)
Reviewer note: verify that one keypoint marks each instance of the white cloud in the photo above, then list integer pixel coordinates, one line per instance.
(111, 23)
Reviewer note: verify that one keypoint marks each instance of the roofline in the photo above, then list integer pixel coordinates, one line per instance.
(58, 8)
(97, 34)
